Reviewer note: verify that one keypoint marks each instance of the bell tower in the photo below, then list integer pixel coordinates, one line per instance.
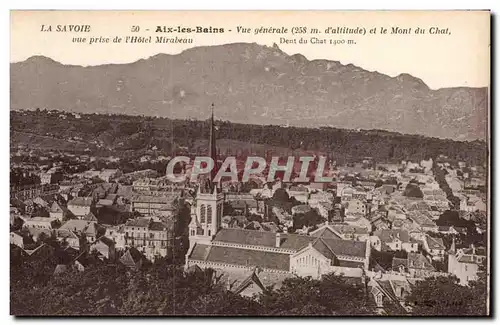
(206, 216)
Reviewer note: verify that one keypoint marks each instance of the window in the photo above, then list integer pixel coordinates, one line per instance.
(209, 232)
(202, 214)
(209, 214)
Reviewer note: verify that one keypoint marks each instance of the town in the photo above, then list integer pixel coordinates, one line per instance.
(385, 227)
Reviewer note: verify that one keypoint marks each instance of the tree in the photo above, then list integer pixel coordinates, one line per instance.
(443, 296)
(332, 295)
(413, 190)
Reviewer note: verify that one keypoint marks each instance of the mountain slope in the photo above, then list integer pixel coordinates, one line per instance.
(250, 83)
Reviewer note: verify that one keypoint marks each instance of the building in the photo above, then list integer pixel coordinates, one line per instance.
(105, 247)
(21, 239)
(57, 211)
(393, 240)
(275, 254)
(208, 214)
(472, 204)
(155, 204)
(422, 221)
(341, 231)
(465, 263)
(300, 193)
(41, 223)
(108, 175)
(355, 206)
(390, 294)
(415, 266)
(85, 228)
(434, 246)
(52, 176)
(301, 209)
(152, 238)
(133, 259)
(289, 254)
(81, 206)
(68, 238)
(117, 234)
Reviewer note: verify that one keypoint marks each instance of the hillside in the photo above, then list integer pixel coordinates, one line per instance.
(250, 83)
(122, 135)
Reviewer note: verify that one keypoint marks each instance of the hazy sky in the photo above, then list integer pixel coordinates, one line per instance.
(459, 59)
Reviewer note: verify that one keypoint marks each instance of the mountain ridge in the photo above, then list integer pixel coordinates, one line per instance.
(255, 84)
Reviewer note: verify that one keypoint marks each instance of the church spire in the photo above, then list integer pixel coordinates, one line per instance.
(213, 147)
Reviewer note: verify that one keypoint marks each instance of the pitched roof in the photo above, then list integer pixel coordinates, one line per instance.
(390, 235)
(131, 257)
(397, 262)
(138, 222)
(60, 268)
(81, 201)
(418, 261)
(303, 208)
(344, 229)
(105, 240)
(253, 278)
(479, 251)
(91, 229)
(105, 202)
(90, 217)
(239, 256)
(166, 198)
(75, 225)
(326, 231)
(298, 189)
(346, 247)
(421, 219)
(55, 207)
(387, 289)
(417, 206)
(322, 247)
(65, 233)
(158, 226)
(434, 243)
(288, 241)
(242, 204)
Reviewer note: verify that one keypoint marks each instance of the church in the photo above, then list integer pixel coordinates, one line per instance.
(243, 254)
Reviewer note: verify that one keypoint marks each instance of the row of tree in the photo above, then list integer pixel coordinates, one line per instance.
(138, 132)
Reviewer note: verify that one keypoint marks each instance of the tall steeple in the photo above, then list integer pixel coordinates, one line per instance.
(213, 147)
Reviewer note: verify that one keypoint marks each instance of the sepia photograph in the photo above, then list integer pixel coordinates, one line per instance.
(250, 163)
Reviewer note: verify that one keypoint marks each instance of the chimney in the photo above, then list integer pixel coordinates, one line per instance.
(278, 239)
(473, 249)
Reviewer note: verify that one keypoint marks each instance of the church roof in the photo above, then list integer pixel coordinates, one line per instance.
(240, 256)
(288, 241)
(323, 248)
(325, 232)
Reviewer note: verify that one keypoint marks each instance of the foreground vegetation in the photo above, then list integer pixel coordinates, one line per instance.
(165, 289)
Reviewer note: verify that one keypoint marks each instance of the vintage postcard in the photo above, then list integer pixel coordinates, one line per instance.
(250, 163)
